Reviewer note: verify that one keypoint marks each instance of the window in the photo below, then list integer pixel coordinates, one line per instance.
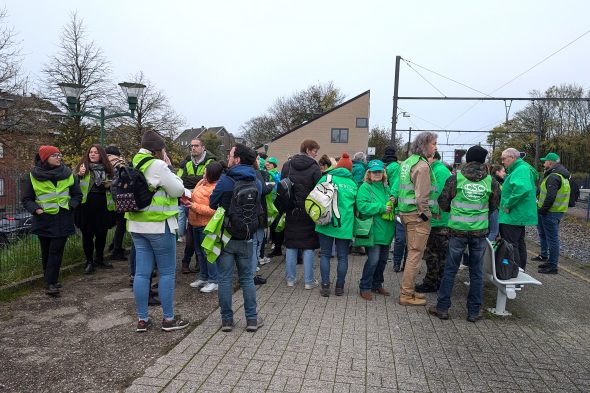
(362, 122)
(339, 135)
(1, 187)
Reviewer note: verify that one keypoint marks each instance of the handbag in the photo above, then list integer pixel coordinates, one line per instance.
(362, 229)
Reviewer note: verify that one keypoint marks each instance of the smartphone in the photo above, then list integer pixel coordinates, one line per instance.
(423, 217)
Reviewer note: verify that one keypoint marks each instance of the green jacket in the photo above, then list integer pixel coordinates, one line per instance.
(441, 174)
(370, 201)
(519, 195)
(359, 168)
(392, 171)
(347, 189)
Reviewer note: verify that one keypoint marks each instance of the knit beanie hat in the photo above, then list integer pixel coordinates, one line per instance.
(345, 162)
(114, 150)
(389, 155)
(152, 141)
(47, 150)
(477, 154)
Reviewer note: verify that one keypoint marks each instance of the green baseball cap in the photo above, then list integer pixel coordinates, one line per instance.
(550, 157)
(273, 160)
(375, 165)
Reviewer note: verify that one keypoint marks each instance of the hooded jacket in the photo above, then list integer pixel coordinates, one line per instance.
(519, 195)
(223, 191)
(473, 171)
(51, 225)
(200, 213)
(190, 181)
(371, 201)
(553, 183)
(347, 189)
(304, 172)
(359, 168)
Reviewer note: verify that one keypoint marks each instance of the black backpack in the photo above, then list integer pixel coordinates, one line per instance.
(129, 188)
(574, 193)
(242, 218)
(506, 267)
(285, 200)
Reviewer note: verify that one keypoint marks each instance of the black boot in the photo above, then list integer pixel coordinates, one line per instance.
(89, 269)
(52, 290)
(100, 262)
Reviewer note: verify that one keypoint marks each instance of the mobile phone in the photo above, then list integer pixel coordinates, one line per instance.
(423, 217)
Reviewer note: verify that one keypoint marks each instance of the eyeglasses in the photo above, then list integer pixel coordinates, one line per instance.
(56, 155)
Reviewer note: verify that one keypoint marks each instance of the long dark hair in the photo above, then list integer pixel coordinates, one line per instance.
(213, 171)
(104, 160)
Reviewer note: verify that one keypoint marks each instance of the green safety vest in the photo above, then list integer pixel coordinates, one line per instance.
(162, 206)
(52, 196)
(189, 167)
(562, 198)
(407, 195)
(85, 185)
(470, 206)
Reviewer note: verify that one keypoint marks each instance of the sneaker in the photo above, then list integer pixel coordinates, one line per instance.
(432, 310)
(199, 283)
(325, 291)
(339, 291)
(175, 324)
(263, 261)
(540, 258)
(253, 325)
(143, 326)
(227, 325)
(259, 280)
(209, 288)
(312, 285)
(544, 265)
(290, 283)
(548, 270)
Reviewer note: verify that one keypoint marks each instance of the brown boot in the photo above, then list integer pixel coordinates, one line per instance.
(411, 300)
(419, 295)
(366, 295)
(381, 291)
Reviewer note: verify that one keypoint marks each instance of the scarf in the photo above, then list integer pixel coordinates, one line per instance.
(97, 173)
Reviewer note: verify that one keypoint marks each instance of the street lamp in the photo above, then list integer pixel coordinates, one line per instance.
(72, 93)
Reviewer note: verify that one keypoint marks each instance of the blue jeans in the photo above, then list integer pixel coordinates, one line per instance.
(161, 249)
(257, 240)
(399, 244)
(477, 247)
(238, 252)
(372, 277)
(207, 271)
(291, 264)
(327, 243)
(548, 229)
(182, 219)
(494, 226)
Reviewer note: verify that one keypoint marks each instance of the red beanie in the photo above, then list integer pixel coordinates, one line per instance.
(344, 162)
(46, 151)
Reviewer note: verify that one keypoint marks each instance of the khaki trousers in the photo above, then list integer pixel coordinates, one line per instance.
(417, 232)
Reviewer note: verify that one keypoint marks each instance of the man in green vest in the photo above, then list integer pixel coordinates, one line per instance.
(438, 241)
(414, 201)
(518, 205)
(552, 203)
(191, 171)
(469, 196)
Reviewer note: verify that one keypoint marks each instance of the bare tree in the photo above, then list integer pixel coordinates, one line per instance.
(153, 112)
(78, 60)
(10, 57)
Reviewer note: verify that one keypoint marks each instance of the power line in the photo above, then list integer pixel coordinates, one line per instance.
(421, 76)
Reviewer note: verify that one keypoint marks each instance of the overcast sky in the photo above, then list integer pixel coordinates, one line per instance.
(223, 62)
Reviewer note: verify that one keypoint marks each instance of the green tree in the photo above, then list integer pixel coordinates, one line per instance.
(380, 138)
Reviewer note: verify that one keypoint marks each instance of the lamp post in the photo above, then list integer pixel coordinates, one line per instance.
(72, 93)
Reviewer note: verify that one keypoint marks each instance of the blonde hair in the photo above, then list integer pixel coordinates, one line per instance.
(367, 178)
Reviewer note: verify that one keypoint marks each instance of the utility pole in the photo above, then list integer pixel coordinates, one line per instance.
(409, 141)
(538, 142)
(395, 97)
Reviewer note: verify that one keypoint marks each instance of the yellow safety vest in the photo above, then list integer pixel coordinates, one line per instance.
(51, 196)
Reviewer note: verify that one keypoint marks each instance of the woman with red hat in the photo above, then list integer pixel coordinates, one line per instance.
(51, 193)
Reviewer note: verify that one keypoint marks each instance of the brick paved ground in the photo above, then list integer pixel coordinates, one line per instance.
(345, 344)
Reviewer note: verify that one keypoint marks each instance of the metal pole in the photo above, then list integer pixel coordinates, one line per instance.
(102, 127)
(538, 142)
(409, 141)
(395, 97)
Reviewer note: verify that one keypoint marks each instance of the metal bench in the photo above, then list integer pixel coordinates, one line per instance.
(506, 288)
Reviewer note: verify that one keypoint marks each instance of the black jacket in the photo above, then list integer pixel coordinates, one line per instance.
(51, 225)
(304, 172)
(473, 171)
(553, 184)
(190, 181)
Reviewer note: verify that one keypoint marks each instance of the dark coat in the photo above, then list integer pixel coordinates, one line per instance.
(51, 225)
(190, 181)
(473, 171)
(304, 172)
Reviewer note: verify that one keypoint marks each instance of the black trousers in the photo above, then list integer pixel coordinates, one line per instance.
(119, 232)
(276, 237)
(94, 239)
(52, 251)
(514, 234)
